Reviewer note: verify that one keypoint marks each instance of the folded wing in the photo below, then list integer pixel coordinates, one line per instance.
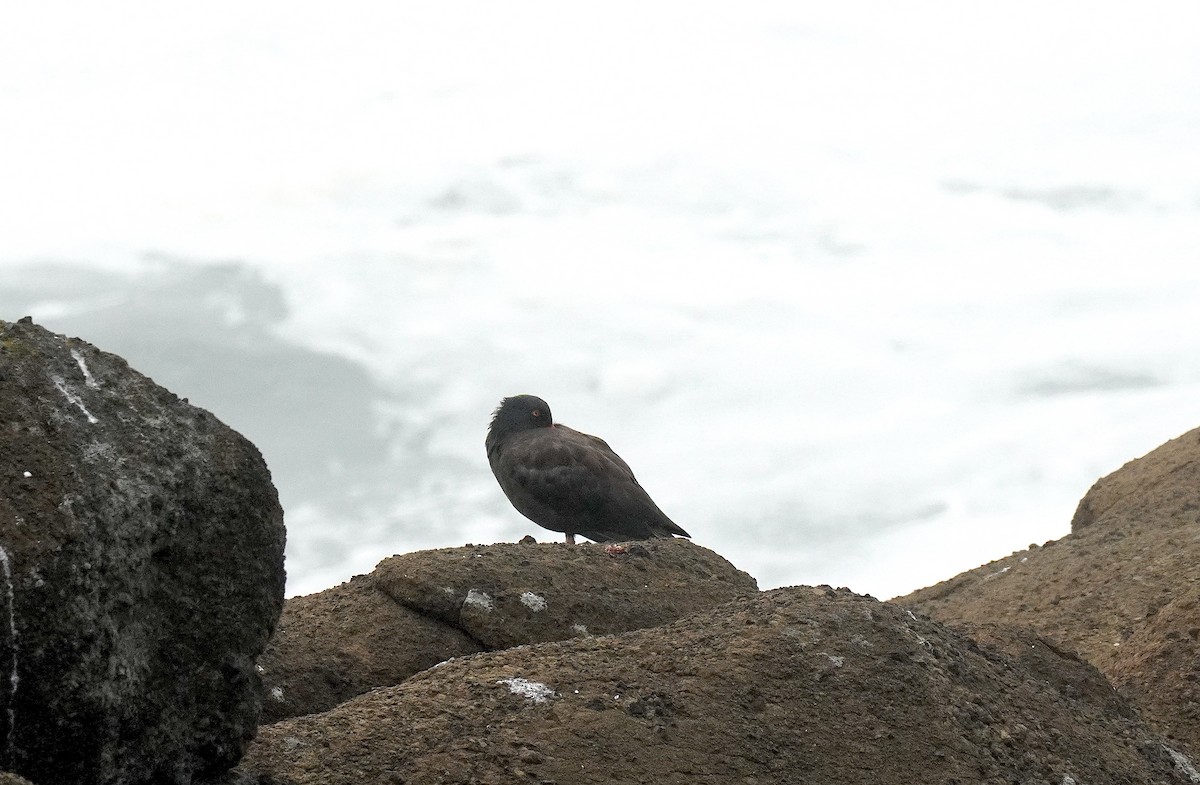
(574, 482)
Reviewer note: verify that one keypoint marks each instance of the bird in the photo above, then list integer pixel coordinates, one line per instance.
(567, 481)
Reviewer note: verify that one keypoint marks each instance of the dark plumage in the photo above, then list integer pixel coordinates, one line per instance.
(568, 481)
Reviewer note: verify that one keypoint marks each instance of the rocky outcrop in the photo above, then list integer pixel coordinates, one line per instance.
(1158, 669)
(141, 560)
(1121, 588)
(419, 609)
(341, 642)
(510, 594)
(141, 573)
(794, 685)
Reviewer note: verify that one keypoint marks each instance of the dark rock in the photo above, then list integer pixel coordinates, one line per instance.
(212, 331)
(510, 594)
(1158, 669)
(1047, 660)
(143, 546)
(419, 609)
(341, 642)
(794, 685)
(1121, 588)
(1160, 489)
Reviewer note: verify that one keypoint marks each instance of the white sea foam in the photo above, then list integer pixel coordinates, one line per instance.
(866, 300)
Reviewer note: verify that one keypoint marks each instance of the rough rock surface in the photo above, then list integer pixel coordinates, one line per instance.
(419, 609)
(341, 642)
(142, 572)
(509, 594)
(794, 685)
(1158, 669)
(1122, 588)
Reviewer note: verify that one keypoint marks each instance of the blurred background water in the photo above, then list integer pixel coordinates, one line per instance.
(866, 294)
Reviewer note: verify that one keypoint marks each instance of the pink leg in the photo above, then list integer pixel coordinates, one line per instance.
(570, 539)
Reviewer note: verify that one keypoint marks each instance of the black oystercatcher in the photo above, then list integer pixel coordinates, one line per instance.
(568, 481)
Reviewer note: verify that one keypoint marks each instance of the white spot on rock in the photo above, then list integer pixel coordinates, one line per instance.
(277, 693)
(87, 375)
(97, 452)
(73, 398)
(836, 660)
(532, 691)
(479, 599)
(14, 680)
(534, 602)
(27, 474)
(1182, 763)
(579, 629)
(996, 574)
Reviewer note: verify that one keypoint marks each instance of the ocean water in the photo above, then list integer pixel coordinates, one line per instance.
(865, 295)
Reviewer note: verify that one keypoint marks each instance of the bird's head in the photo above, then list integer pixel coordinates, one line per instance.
(520, 413)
